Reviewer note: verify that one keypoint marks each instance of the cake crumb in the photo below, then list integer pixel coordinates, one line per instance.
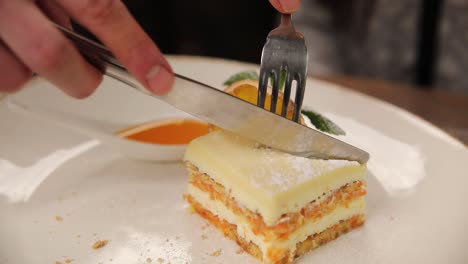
(191, 210)
(100, 243)
(58, 218)
(57, 262)
(149, 260)
(68, 261)
(160, 260)
(216, 253)
(204, 237)
(240, 251)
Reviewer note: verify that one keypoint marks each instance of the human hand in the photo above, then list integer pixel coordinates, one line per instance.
(286, 6)
(30, 43)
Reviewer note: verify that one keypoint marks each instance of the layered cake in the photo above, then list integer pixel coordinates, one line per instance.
(274, 205)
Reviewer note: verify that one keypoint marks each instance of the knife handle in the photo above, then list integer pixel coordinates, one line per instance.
(102, 59)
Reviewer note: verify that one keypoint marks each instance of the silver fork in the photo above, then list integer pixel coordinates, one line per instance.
(285, 50)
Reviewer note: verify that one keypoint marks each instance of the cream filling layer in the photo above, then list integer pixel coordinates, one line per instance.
(216, 207)
(269, 182)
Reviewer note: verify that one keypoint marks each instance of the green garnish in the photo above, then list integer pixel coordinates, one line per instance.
(281, 81)
(319, 121)
(323, 124)
(245, 75)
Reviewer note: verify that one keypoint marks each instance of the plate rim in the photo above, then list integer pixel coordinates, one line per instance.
(446, 137)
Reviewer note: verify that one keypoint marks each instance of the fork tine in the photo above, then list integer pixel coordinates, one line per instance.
(287, 94)
(300, 88)
(262, 87)
(275, 90)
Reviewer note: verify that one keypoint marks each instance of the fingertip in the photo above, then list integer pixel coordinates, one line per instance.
(286, 6)
(14, 74)
(86, 90)
(160, 79)
(15, 82)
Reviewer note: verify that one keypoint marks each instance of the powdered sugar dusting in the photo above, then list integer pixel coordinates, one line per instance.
(280, 171)
(267, 170)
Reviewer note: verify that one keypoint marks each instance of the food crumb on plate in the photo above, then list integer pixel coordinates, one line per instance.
(240, 251)
(58, 218)
(149, 260)
(216, 253)
(160, 260)
(100, 243)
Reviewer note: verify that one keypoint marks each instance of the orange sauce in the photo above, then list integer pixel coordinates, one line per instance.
(172, 132)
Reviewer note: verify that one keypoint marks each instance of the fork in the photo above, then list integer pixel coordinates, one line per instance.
(284, 51)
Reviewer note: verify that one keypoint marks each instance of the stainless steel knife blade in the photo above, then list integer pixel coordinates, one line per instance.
(228, 112)
(248, 120)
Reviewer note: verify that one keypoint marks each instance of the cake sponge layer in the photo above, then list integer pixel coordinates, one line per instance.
(281, 256)
(266, 181)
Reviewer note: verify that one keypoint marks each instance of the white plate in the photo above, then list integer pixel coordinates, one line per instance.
(114, 107)
(417, 216)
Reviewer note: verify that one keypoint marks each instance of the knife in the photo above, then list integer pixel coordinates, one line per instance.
(226, 111)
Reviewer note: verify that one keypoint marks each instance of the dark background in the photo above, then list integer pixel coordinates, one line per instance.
(229, 29)
(238, 29)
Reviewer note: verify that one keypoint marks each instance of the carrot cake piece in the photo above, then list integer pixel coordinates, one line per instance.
(276, 206)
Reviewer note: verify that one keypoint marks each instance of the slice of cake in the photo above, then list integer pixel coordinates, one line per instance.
(274, 205)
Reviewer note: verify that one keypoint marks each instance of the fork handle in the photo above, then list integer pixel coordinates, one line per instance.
(286, 20)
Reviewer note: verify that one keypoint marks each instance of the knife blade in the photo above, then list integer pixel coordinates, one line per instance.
(226, 111)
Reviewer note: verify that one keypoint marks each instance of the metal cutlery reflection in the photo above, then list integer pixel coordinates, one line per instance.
(284, 53)
(228, 112)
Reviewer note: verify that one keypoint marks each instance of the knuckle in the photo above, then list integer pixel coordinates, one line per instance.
(98, 11)
(49, 54)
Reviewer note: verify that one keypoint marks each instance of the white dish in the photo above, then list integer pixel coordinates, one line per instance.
(417, 217)
(112, 108)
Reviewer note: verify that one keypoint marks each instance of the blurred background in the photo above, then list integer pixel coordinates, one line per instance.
(421, 43)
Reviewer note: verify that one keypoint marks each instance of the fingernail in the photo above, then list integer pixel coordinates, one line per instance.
(290, 6)
(159, 80)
